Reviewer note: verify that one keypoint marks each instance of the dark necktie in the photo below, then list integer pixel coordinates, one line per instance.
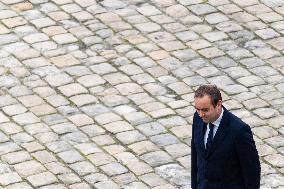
(210, 136)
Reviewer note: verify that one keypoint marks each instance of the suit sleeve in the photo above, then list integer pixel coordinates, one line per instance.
(193, 161)
(248, 157)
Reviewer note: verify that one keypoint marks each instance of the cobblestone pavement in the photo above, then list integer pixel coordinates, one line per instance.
(99, 94)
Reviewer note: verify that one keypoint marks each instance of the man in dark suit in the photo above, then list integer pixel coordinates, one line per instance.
(223, 152)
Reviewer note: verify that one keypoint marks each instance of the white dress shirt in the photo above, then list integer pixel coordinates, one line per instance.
(216, 126)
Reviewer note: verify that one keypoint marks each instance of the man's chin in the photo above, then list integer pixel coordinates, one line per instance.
(205, 120)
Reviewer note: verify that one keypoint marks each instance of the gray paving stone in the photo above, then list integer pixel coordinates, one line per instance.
(25, 118)
(174, 173)
(76, 137)
(69, 178)
(198, 44)
(9, 178)
(44, 157)
(23, 185)
(139, 168)
(265, 113)
(262, 89)
(83, 168)
(265, 150)
(70, 156)
(136, 118)
(201, 9)
(234, 89)
(136, 19)
(136, 185)
(5, 168)
(256, 25)
(126, 158)
(84, 99)
(185, 55)
(81, 119)
(144, 62)
(229, 26)
(238, 54)
(152, 128)
(265, 132)
(177, 11)
(22, 138)
(67, 110)
(42, 179)
(58, 80)
(178, 150)
(164, 139)
(7, 100)
(103, 140)
(215, 36)
(78, 70)
(88, 148)
(211, 52)
(59, 186)
(58, 146)
(216, 18)
(172, 121)
(174, 27)
(265, 53)
(8, 81)
(186, 36)
(275, 160)
(194, 81)
(172, 45)
(255, 103)
(16, 157)
(124, 179)
(32, 146)
(113, 169)
(143, 78)
(124, 109)
(100, 158)
(57, 168)
(143, 147)
(106, 184)
(14, 109)
(208, 71)
(275, 142)
(29, 168)
(243, 17)
(72, 89)
(130, 137)
(80, 185)
(96, 177)
(267, 33)
(270, 17)
(272, 180)
(153, 179)
(250, 81)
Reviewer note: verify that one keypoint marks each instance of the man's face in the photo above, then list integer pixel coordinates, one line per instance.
(206, 110)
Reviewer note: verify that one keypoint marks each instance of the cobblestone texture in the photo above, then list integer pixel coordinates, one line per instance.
(99, 93)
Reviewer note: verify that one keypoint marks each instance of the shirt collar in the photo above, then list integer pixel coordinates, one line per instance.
(218, 121)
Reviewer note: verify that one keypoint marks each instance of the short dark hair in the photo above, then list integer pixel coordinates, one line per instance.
(211, 90)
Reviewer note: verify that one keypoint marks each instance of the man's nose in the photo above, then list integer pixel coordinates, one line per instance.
(201, 114)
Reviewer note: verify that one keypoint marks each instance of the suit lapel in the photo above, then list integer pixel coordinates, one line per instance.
(220, 134)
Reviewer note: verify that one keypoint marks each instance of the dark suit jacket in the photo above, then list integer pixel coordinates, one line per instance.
(232, 162)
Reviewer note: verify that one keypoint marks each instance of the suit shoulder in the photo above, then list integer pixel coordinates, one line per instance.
(196, 120)
(195, 116)
(237, 123)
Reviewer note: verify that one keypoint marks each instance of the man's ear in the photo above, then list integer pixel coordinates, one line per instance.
(219, 104)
